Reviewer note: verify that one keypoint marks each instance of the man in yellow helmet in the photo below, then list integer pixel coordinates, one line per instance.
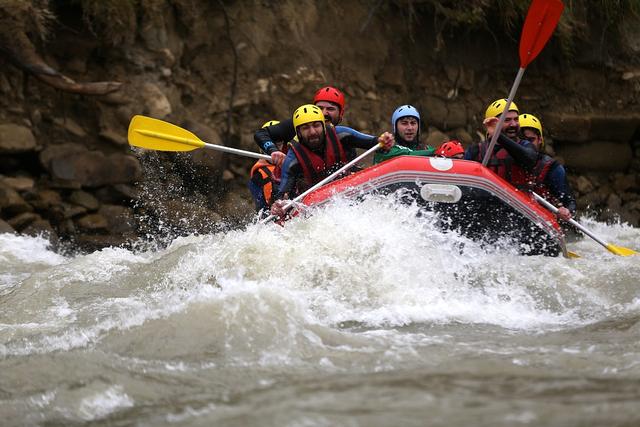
(273, 138)
(548, 177)
(331, 102)
(512, 158)
(319, 151)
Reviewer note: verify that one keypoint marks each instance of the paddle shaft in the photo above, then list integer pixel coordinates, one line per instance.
(572, 221)
(496, 133)
(198, 143)
(237, 151)
(324, 181)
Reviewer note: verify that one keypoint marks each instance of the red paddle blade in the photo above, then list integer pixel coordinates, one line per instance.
(541, 20)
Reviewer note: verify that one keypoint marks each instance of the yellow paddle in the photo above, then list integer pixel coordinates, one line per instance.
(618, 250)
(154, 134)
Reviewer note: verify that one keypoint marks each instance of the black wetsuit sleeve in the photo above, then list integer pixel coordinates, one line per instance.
(351, 138)
(268, 137)
(524, 155)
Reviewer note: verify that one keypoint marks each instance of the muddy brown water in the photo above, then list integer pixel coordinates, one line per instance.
(358, 316)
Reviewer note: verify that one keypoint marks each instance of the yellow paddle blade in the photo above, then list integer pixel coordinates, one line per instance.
(620, 250)
(573, 255)
(155, 134)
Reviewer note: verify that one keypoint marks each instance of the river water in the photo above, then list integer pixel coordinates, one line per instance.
(359, 315)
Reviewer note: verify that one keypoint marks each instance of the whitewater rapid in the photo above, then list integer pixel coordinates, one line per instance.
(358, 295)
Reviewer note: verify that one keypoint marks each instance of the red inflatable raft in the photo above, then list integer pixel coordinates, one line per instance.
(467, 197)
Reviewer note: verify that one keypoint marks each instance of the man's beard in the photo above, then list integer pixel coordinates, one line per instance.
(315, 143)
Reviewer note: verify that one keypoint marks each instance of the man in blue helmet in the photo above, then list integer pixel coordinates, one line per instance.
(405, 122)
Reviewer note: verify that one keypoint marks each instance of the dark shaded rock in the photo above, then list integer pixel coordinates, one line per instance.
(155, 102)
(588, 127)
(41, 227)
(589, 156)
(70, 126)
(236, 207)
(582, 185)
(84, 199)
(614, 202)
(24, 219)
(190, 217)
(44, 199)
(72, 211)
(392, 74)
(11, 203)
(92, 222)
(567, 127)
(16, 139)
(74, 163)
(614, 128)
(19, 183)
(96, 242)
(625, 182)
(113, 137)
(457, 115)
(118, 193)
(5, 227)
(435, 138)
(463, 136)
(435, 112)
(120, 219)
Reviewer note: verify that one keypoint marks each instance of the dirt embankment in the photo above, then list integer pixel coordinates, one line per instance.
(223, 68)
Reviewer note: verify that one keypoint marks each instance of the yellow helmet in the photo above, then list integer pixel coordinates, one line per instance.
(530, 121)
(497, 107)
(307, 113)
(270, 123)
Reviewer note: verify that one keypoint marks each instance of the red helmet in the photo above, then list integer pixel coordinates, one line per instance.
(330, 94)
(450, 149)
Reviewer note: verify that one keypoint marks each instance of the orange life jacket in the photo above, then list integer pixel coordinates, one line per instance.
(266, 176)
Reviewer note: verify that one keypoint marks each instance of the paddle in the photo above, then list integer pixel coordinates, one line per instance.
(541, 20)
(324, 181)
(155, 134)
(618, 250)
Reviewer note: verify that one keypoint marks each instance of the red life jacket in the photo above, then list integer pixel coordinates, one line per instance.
(314, 167)
(266, 176)
(504, 166)
(538, 176)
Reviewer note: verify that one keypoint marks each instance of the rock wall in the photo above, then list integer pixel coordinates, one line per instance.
(221, 69)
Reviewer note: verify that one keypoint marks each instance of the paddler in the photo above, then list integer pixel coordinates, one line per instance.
(319, 151)
(405, 123)
(512, 158)
(548, 177)
(265, 177)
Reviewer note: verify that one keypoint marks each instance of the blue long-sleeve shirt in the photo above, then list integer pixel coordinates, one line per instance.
(557, 184)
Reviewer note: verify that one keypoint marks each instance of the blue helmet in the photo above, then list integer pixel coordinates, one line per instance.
(404, 111)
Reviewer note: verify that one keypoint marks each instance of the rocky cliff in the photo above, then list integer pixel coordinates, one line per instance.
(73, 73)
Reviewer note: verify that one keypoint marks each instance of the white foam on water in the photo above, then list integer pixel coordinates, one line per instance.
(103, 403)
(268, 291)
(26, 249)
(22, 255)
